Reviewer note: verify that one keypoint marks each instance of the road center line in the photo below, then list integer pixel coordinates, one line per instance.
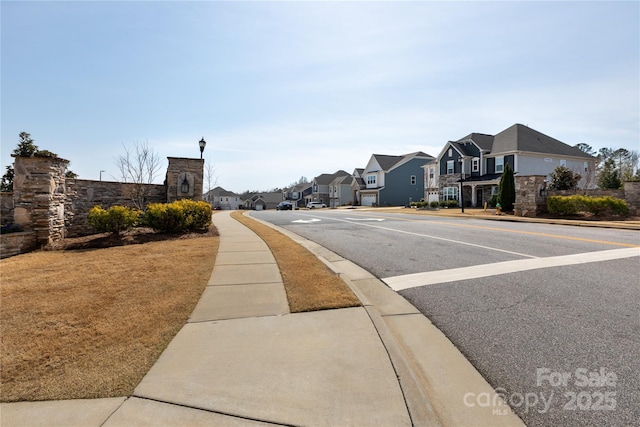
(407, 281)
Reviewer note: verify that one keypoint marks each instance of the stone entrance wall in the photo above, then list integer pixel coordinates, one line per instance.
(50, 207)
(530, 202)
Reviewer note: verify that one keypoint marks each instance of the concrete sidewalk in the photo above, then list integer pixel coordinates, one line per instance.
(244, 359)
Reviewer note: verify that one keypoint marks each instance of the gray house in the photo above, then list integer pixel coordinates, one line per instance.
(340, 193)
(297, 194)
(393, 180)
(320, 186)
(219, 198)
(262, 201)
(480, 159)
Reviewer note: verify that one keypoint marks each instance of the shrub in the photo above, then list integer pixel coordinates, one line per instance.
(572, 205)
(507, 189)
(115, 220)
(434, 204)
(605, 205)
(178, 216)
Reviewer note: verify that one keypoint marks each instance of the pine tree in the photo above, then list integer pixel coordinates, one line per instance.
(26, 147)
(608, 177)
(563, 178)
(507, 189)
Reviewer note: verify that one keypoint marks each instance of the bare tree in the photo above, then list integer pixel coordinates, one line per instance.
(139, 166)
(210, 175)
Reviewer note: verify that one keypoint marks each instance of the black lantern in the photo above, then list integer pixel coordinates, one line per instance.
(202, 144)
(184, 187)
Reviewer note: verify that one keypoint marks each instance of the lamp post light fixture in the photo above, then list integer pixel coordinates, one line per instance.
(202, 144)
(461, 161)
(184, 187)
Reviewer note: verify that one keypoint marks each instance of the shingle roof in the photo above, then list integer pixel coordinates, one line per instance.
(522, 138)
(387, 162)
(219, 191)
(327, 178)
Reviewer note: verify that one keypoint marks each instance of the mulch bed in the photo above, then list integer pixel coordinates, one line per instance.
(135, 236)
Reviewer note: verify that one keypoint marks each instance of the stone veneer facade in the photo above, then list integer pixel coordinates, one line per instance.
(50, 207)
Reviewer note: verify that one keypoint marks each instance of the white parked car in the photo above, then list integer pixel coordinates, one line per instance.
(313, 205)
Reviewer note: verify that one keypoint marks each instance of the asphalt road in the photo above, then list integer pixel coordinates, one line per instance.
(548, 314)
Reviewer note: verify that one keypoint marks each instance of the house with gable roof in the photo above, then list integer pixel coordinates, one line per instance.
(340, 193)
(479, 159)
(263, 201)
(320, 186)
(393, 180)
(297, 194)
(219, 198)
(357, 184)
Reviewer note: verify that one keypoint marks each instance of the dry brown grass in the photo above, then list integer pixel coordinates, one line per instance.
(310, 284)
(91, 323)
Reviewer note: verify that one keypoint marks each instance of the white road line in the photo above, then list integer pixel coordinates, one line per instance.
(407, 281)
(433, 237)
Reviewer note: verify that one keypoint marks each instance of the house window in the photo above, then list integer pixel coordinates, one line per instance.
(449, 167)
(431, 173)
(494, 190)
(586, 166)
(371, 179)
(450, 193)
(413, 180)
(499, 164)
(475, 165)
(563, 162)
(450, 152)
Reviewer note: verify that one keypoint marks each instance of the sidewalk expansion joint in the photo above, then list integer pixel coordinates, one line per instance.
(215, 412)
(114, 411)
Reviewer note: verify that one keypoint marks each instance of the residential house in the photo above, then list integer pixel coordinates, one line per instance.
(357, 184)
(320, 187)
(340, 193)
(480, 159)
(297, 194)
(431, 189)
(394, 180)
(219, 198)
(262, 201)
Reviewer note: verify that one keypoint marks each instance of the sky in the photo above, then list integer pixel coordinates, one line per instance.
(286, 89)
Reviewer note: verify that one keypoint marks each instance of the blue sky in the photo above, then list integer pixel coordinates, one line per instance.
(281, 90)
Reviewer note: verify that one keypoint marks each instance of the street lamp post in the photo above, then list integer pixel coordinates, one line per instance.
(202, 144)
(461, 183)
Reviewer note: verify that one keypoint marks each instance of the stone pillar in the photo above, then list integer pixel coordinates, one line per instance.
(529, 202)
(39, 196)
(184, 174)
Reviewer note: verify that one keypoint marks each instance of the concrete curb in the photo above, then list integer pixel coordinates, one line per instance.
(433, 375)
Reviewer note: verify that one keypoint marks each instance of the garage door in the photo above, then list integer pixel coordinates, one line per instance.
(369, 199)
